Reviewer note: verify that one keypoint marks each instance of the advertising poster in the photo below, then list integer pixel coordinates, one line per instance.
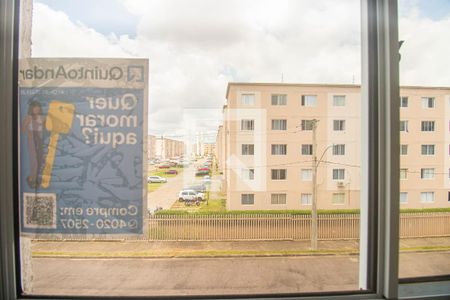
(82, 129)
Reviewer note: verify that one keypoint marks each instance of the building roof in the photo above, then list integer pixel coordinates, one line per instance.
(321, 85)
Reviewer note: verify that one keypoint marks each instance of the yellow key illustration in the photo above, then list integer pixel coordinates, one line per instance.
(59, 120)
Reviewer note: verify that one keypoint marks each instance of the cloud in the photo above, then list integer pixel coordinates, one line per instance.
(196, 47)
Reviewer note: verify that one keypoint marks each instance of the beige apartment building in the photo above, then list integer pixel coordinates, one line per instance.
(159, 147)
(209, 148)
(265, 146)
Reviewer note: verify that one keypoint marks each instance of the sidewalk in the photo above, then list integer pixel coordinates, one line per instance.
(156, 249)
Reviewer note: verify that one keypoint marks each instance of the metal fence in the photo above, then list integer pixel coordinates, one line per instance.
(283, 226)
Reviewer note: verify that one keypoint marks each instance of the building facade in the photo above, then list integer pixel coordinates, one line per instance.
(266, 144)
(159, 147)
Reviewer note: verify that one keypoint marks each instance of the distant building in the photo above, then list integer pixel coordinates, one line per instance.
(265, 146)
(160, 147)
(209, 149)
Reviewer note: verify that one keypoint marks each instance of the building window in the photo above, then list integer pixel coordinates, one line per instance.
(427, 149)
(338, 100)
(278, 198)
(427, 173)
(247, 199)
(403, 198)
(248, 174)
(248, 99)
(404, 126)
(309, 100)
(427, 102)
(427, 197)
(279, 124)
(247, 124)
(338, 174)
(339, 149)
(338, 125)
(279, 149)
(403, 101)
(403, 174)
(427, 125)
(278, 99)
(306, 199)
(403, 149)
(338, 198)
(279, 174)
(306, 174)
(248, 149)
(307, 125)
(307, 149)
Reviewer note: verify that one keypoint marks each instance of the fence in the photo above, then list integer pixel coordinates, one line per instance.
(283, 226)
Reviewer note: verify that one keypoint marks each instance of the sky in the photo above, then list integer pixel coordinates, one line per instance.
(196, 47)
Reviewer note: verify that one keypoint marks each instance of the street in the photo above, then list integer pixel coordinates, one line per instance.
(209, 276)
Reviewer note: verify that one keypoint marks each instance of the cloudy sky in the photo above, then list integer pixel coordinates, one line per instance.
(196, 47)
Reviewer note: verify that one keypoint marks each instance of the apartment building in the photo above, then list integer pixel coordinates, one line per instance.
(209, 148)
(265, 146)
(163, 148)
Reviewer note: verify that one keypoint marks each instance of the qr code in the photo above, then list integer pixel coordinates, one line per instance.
(39, 210)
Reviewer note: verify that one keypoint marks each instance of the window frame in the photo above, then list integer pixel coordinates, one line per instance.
(379, 212)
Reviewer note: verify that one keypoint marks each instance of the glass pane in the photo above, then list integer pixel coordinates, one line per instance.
(225, 134)
(425, 157)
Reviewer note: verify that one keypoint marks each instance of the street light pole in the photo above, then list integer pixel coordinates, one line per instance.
(314, 188)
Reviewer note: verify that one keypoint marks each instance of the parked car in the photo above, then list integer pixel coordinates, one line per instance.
(156, 179)
(171, 172)
(198, 188)
(202, 173)
(190, 195)
(164, 166)
(206, 179)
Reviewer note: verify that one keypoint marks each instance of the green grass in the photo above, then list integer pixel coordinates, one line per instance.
(151, 187)
(161, 172)
(216, 253)
(213, 206)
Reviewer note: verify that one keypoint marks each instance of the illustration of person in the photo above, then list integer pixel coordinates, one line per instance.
(33, 125)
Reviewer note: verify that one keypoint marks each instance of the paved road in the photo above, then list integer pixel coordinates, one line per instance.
(201, 276)
(167, 194)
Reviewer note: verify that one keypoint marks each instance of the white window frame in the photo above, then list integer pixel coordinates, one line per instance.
(427, 197)
(247, 148)
(278, 174)
(278, 149)
(427, 173)
(428, 102)
(308, 100)
(404, 101)
(278, 99)
(247, 124)
(248, 195)
(275, 198)
(338, 149)
(428, 149)
(338, 174)
(404, 149)
(428, 126)
(335, 195)
(339, 100)
(245, 97)
(403, 198)
(403, 126)
(339, 125)
(403, 174)
(276, 124)
(307, 125)
(308, 147)
(248, 174)
(306, 199)
(306, 174)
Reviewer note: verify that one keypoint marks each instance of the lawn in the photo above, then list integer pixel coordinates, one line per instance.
(151, 187)
(161, 172)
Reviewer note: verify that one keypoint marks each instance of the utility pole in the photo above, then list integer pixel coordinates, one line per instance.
(314, 187)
